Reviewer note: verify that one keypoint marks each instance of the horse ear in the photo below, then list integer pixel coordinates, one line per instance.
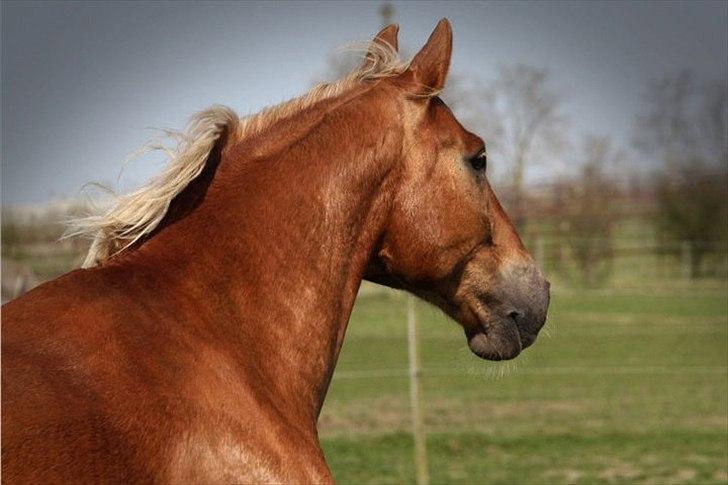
(386, 36)
(428, 69)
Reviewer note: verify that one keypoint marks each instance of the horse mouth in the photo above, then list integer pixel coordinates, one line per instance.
(498, 339)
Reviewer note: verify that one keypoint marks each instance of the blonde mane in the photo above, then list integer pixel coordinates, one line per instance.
(135, 215)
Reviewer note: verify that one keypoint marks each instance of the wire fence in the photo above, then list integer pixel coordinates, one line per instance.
(639, 265)
(582, 262)
(565, 370)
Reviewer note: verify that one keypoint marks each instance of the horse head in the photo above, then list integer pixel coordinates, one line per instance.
(447, 238)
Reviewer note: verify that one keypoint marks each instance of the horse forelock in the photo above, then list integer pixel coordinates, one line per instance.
(136, 215)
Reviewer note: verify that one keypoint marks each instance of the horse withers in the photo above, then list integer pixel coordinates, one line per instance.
(198, 343)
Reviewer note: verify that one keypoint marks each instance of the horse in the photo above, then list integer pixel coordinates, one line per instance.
(198, 341)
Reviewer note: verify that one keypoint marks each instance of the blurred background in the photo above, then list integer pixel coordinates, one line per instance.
(607, 131)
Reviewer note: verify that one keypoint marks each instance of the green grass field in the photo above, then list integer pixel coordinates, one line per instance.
(620, 387)
(626, 384)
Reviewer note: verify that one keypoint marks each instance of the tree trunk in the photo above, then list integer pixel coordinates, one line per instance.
(697, 251)
(517, 212)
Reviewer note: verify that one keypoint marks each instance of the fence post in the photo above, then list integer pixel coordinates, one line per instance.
(685, 259)
(418, 425)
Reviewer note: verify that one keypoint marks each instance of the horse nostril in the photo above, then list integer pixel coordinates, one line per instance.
(515, 316)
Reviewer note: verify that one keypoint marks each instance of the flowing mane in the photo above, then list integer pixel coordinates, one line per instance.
(137, 214)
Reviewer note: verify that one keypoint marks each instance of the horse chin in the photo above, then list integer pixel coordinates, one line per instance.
(495, 340)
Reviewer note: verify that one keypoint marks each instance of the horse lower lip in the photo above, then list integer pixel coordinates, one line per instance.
(527, 339)
(495, 344)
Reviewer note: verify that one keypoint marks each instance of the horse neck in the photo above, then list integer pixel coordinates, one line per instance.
(281, 240)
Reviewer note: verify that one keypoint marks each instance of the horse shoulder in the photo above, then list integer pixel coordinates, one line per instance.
(95, 385)
(222, 456)
(237, 433)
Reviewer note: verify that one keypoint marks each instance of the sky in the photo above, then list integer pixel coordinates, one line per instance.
(84, 83)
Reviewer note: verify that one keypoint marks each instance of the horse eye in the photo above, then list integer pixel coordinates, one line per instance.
(480, 161)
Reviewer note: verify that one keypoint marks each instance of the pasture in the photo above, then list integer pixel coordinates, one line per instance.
(626, 383)
(620, 387)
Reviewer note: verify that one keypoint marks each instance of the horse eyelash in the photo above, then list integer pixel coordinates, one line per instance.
(479, 161)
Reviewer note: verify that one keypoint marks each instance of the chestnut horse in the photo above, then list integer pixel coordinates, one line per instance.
(199, 342)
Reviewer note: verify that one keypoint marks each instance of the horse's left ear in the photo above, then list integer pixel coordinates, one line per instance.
(387, 37)
(428, 69)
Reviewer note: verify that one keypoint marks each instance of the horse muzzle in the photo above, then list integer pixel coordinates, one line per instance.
(509, 313)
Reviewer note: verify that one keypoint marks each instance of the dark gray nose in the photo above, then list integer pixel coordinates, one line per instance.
(524, 299)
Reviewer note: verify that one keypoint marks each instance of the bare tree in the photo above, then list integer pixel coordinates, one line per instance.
(714, 122)
(473, 102)
(666, 129)
(589, 223)
(685, 128)
(519, 115)
(692, 204)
